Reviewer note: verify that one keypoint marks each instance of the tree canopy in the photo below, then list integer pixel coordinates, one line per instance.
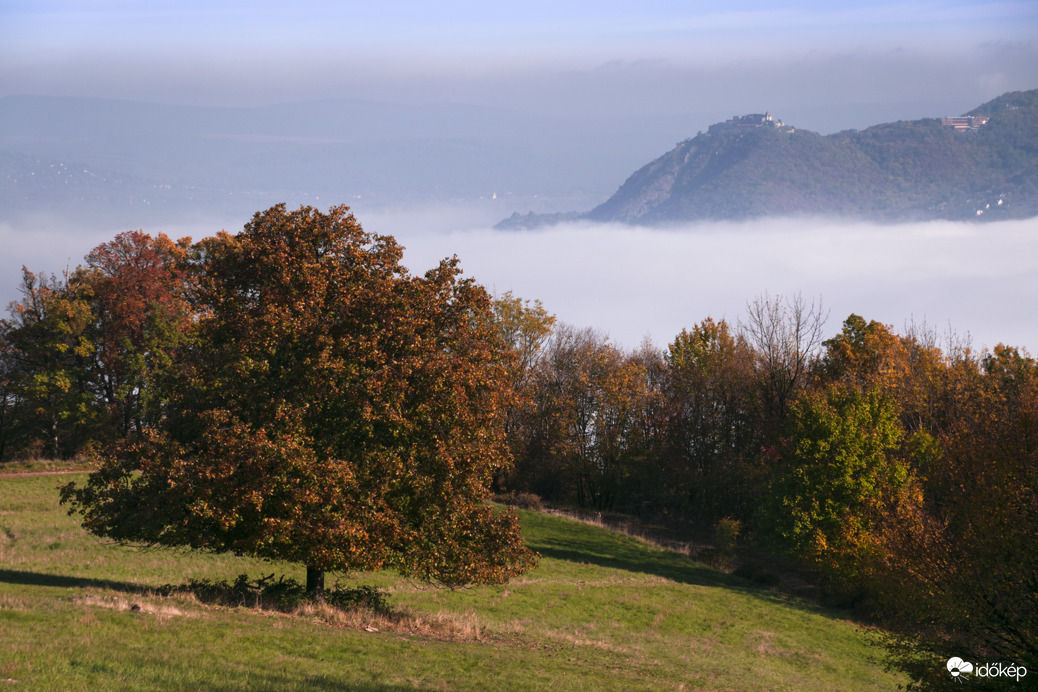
(330, 408)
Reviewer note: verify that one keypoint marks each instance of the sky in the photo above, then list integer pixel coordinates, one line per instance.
(578, 57)
(818, 65)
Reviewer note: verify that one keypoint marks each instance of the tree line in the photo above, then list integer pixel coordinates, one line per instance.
(313, 387)
(900, 469)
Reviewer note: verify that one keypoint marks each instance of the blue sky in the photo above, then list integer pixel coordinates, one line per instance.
(571, 57)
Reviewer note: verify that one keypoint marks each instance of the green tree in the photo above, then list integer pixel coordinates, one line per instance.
(840, 468)
(333, 410)
(48, 344)
(8, 395)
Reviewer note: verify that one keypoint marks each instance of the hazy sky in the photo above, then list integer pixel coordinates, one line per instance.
(561, 56)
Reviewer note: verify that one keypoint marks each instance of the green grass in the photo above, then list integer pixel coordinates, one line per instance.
(601, 612)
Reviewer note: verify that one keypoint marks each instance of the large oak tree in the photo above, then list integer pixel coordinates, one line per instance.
(333, 410)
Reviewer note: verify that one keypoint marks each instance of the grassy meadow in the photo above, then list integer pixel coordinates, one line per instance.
(602, 611)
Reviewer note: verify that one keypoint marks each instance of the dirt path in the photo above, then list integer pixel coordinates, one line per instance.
(29, 474)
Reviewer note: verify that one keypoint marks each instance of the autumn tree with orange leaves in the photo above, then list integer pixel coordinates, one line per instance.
(139, 298)
(332, 410)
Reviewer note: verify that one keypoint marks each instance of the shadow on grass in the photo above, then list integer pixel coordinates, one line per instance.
(586, 544)
(667, 567)
(273, 681)
(10, 576)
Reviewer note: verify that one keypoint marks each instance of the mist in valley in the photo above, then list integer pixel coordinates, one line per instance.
(977, 280)
(636, 283)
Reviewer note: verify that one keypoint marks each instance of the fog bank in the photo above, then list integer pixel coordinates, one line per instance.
(633, 283)
(639, 282)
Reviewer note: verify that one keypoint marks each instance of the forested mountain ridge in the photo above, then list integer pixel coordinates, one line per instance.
(751, 166)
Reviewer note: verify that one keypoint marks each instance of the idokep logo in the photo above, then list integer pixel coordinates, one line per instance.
(961, 670)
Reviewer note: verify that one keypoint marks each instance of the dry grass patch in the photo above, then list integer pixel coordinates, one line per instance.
(626, 579)
(443, 625)
(764, 643)
(448, 626)
(577, 639)
(701, 644)
(6, 540)
(137, 605)
(8, 602)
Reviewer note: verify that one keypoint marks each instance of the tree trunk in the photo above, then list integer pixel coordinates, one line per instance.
(55, 447)
(315, 583)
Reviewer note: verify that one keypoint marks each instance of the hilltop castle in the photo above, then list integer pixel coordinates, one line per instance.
(753, 120)
(970, 123)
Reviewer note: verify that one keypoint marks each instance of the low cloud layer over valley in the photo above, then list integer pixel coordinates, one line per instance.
(632, 283)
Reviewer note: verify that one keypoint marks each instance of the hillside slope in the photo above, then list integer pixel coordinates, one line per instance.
(754, 166)
(601, 612)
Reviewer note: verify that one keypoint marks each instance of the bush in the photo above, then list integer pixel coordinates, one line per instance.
(358, 597)
(285, 594)
(758, 575)
(521, 500)
(726, 536)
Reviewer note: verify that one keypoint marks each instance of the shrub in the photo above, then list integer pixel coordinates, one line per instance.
(521, 500)
(285, 594)
(758, 575)
(726, 536)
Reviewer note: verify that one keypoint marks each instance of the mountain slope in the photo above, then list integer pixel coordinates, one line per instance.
(908, 170)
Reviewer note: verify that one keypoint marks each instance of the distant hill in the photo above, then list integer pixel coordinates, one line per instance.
(983, 166)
